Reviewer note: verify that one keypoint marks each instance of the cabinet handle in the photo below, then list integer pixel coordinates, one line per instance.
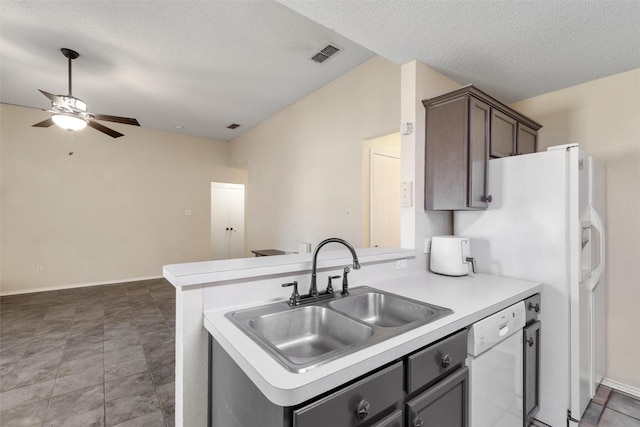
(418, 422)
(446, 360)
(487, 199)
(534, 307)
(363, 409)
(530, 342)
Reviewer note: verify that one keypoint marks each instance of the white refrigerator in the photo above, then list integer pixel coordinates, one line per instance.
(546, 223)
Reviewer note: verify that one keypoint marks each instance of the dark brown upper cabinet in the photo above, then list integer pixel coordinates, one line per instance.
(465, 128)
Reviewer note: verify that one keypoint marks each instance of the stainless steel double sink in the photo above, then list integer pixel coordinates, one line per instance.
(304, 337)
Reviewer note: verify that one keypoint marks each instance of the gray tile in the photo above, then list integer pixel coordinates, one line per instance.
(80, 351)
(120, 387)
(154, 419)
(611, 418)
(69, 383)
(122, 342)
(75, 402)
(166, 393)
(22, 378)
(163, 374)
(591, 415)
(18, 396)
(27, 414)
(625, 404)
(91, 418)
(125, 369)
(602, 395)
(124, 354)
(74, 366)
(133, 406)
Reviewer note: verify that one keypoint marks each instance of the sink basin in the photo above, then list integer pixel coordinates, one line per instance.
(386, 310)
(309, 332)
(302, 338)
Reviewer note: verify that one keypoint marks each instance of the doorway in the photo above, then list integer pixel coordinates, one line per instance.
(383, 191)
(227, 220)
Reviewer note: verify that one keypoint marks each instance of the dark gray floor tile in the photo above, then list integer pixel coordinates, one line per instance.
(120, 387)
(133, 406)
(122, 342)
(163, 374)
(625, 404)
(591, 415)
(611, 418)
(50, 347)
(154, 419)
(91, 418)
(75, 402)
(80, 351)
(125, 369)
(69, 383)
(124, 354)
(602, 395)
(27, 414)
(22, 378)
(18, 396)
(166, 393)
(75, 366)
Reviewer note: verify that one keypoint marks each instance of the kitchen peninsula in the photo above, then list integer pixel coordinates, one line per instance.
(206, 291)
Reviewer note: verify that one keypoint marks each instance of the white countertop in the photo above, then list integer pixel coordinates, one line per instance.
(470, 297)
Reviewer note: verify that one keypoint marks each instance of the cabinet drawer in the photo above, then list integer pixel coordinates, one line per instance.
(444, 404)
(371, 395)
(437, 360)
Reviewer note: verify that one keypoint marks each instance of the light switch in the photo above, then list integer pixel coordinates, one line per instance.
(406, 194)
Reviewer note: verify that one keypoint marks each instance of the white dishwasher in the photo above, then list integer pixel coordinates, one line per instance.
(495, 369)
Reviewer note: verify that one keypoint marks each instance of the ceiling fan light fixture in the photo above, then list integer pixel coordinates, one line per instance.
(69, 122)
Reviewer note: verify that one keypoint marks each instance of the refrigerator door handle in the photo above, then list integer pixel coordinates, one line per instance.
(596, 273)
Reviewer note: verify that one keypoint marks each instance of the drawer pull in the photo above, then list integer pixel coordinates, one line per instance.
(418, 422)
(446, 360)
(530, 341)
(534, 307)
(363, 409)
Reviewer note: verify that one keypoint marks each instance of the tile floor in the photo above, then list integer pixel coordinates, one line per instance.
(610, 408)
(95, 356)
(104, 356)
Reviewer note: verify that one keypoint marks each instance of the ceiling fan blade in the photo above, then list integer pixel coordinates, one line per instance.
(97, 126)
(56, 100)
(44, 124)
(116, 119)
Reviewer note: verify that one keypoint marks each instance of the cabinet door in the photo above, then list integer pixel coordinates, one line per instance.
(531, 363)
(393, 420)
(446, 404)
(478, 156)
(503, 134)
(527, 142)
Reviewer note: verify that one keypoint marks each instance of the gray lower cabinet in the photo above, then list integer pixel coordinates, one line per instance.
(531, 363)
(446, 404)
(428, 386)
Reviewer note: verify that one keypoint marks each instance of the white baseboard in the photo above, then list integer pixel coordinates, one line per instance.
(77, 285)
(633, 391)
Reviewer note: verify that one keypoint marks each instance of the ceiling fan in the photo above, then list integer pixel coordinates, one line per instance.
(71, 113)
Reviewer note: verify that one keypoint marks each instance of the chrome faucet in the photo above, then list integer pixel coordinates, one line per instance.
(313, 289)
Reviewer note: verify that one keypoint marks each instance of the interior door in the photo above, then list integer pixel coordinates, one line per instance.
(385, 199)
(227, 220)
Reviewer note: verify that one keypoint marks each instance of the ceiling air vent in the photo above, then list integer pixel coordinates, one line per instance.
(233, 126)
(325, 54)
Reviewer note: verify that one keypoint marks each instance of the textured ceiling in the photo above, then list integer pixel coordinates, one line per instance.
(207, 64)
(511, 49)
(199, 64)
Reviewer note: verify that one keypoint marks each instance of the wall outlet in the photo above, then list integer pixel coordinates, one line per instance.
(427, 245)
(39, 269)
(401, 264)
(187, 212)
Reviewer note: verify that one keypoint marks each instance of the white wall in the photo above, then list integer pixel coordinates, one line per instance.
(420, 82)
(116, 204)
(603, 117)
(305, 165)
